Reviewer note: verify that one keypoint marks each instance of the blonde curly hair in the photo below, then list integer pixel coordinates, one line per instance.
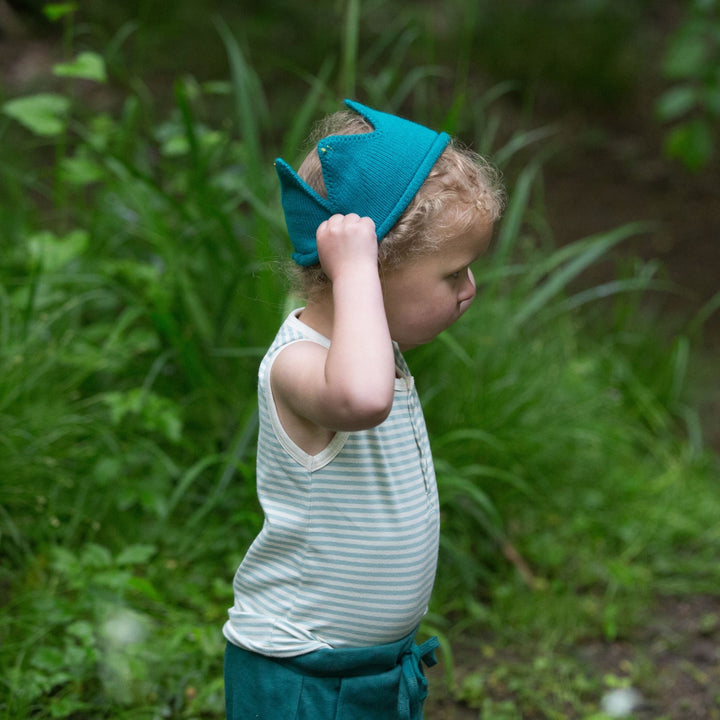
(461, 188)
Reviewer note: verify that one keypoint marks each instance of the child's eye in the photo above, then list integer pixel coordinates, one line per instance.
(455, 275)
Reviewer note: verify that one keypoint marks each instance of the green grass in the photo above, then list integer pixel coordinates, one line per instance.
(574, 425)
(139, 286)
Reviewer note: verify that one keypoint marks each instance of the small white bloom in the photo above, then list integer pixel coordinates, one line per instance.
(621, 702)
(123, 628)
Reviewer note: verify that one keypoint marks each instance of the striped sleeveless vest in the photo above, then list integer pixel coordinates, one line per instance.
(348, 550)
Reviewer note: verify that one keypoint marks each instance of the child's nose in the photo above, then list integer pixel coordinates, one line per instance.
(467, 292)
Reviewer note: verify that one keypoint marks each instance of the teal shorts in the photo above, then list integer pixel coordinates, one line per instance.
(384, 682)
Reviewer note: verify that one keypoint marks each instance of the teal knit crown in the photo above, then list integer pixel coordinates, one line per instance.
(374, 174)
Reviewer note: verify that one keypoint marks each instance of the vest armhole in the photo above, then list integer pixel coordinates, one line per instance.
(309, 462)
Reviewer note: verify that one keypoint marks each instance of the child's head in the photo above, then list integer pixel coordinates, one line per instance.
(460, 190)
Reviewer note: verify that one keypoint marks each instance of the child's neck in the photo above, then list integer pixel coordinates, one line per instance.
(318, 314)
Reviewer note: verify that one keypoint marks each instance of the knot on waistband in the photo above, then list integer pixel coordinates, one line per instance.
(413, 684)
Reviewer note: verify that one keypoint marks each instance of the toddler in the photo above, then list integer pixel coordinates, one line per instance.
(385, 217)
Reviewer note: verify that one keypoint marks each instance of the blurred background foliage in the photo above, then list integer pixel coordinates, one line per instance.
(142, 277)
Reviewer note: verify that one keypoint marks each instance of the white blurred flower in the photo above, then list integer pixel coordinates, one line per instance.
(621, 702)
(124, 628)
(124, 656)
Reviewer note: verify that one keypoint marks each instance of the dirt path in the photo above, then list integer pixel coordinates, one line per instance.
(673, 663)
(594, 186)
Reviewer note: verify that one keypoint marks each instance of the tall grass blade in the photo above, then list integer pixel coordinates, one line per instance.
(188, 479)
(603, 291)
(486, 135)
(350, 42)
(591, 250)
(302, 120)
(520, 141)
(410, 84)
(457, 484)
(456, 349)
(514, 217)
(250, 104)
(705, 312)
(679, 366)
(242, 446)
(466, 435)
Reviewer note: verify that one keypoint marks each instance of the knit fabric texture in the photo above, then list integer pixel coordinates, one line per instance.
(384, 682)
(374, 174)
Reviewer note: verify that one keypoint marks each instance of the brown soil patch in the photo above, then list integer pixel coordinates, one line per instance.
(673, 662)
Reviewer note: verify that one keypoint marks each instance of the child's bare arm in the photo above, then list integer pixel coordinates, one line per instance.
(350, 386)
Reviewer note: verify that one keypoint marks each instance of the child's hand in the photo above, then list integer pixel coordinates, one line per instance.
(345, 243)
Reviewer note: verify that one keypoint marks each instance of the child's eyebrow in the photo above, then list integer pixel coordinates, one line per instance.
(474, 258)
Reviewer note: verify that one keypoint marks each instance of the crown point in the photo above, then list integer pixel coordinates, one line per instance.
(375, 174)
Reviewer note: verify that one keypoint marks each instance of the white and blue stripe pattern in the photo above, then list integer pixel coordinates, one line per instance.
(348, 551)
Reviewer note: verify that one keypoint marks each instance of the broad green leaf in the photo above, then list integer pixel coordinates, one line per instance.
(107, 469)
(83, 630)
(57, 11)
(80, 170)
(691, 143)
(155, 412)
(217, 87)
(54, 252)
(44, 114)
(122, 403)
(64, 561)
(96, 556)
(175, 146)
(676, 102)
(711, 98)
(686, 57)
(48, 659)
(144, 587)
(67, 707)
(136, 554)
(86, 66)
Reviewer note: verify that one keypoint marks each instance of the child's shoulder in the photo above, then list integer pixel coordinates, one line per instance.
(294, 381)
(298, 352)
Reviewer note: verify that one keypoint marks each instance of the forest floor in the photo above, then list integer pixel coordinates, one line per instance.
(604, 175)
(614, 173)
(598, 181)
(675, 658)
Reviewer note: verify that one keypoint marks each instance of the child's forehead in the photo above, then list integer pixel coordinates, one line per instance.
(468, 230)
(465, 247)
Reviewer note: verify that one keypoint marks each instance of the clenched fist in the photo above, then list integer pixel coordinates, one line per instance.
(346, 243)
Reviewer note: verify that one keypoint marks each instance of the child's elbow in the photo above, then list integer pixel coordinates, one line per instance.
(365, 409)
(375, 414)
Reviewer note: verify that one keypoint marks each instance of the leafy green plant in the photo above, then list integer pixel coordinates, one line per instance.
(550, 684)
(128, 403)
(98, 641)
(138, 291)
(692, 103)
(568, 410)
